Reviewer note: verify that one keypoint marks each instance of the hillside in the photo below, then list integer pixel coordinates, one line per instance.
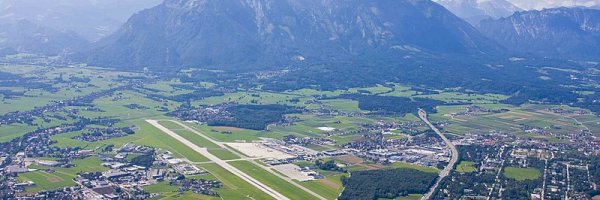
(27, 37)
(237, 34)
(90, 19)
(474, 11)
(569, 33)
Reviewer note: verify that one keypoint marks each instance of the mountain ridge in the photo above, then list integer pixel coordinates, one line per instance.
(474, 11)
(28, 37)
(567, 33)
(259, 33)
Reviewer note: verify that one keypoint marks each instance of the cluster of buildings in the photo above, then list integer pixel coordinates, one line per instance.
(124, 179)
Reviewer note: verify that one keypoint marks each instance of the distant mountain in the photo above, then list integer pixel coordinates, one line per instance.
(474, 11)
(547, 4)
(92, 19)
(571, 33)
(276, 33)
(7, 51)
(27, 37)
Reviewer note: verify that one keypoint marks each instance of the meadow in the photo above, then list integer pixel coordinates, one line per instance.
(521, 174)
(466, 167)
(271, 180)
(60, 177)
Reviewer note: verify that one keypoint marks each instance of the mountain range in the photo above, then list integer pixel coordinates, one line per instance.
(90, 19)
(474, 11)
(264, 34)
(276, 33)
(567, 33)
(27, 37)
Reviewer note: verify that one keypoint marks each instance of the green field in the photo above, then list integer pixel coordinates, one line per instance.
(234, 134)
(522, 174)
(271, 180)
(61, 177)
(200, 141)
(411, 197)
(514, 119)
(168, 191)
(330, 187)
(234, 187)
(9, 132)
(466, 167)
(413, 166)
(343, 105)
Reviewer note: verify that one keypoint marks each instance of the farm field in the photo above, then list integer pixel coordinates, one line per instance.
(231, 134)
(516, 118)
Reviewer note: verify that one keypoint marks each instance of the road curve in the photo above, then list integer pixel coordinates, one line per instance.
(453, 159)
(218, 161)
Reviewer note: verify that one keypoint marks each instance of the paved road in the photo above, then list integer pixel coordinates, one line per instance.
(252, 160)
(497, 178)
(218, 161)
(453, 159)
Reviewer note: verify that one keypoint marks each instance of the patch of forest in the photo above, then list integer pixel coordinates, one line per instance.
(255, 117)
(388, 184)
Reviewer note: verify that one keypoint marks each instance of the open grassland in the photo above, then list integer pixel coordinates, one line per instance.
(146, 134)
(46, 181)
(256, 97)
(400, 91)
(9, 132)
(522, 174)
(230, 134)
(313, 92)
(168, 191)
(233, 186)
(466, 167)
(411, 197)
(151, 136)
(114, 106)
(413, 166)
(359, 164)
(345, 105)
(457, 97)
(200, 141)
(271, 180)
(99, 80)
(330, 187)
(308, 125)
(378, 89)
(61, 177)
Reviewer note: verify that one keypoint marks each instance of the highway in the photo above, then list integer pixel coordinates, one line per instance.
(453, 159)
(218, 161)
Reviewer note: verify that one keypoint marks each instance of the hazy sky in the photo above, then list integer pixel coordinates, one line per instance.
(540, 4)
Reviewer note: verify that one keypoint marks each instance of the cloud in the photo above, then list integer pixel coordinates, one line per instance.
(541, 4)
